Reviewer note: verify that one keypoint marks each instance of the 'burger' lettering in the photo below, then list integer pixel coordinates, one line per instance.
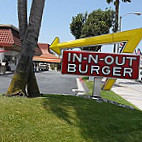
(100, 64)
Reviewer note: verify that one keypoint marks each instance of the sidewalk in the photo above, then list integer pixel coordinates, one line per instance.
(130, 90)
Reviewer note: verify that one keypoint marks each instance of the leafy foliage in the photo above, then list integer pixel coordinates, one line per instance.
(116, 4)
(109, 1)
(99, 22)
(77, 24)
(96, 23)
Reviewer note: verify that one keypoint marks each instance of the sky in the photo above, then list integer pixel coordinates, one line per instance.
(58, 16)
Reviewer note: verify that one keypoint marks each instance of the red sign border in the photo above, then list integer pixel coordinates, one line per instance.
(88, 52)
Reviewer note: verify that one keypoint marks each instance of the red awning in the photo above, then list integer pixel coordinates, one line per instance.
(3, 51)
(35, 58)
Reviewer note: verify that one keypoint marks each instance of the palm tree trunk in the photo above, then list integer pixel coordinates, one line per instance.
(22, 17)
(32, 86)
(24, 74)
(117, 14)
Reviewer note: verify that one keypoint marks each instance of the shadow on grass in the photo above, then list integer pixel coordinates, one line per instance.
(100, 122)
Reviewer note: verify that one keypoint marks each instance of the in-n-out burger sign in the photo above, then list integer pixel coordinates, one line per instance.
(100, 64)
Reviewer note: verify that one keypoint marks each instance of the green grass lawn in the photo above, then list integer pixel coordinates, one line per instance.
(107, 94)
(57, 118)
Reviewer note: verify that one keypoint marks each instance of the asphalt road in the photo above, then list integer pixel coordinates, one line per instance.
(50, 82)
(4, 82)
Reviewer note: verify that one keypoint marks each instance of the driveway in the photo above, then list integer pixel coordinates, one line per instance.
(50, 82)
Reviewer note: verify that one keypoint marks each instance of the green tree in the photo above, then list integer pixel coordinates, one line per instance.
(96, 23)
(24, 76)
(116, 3)
(77, 24)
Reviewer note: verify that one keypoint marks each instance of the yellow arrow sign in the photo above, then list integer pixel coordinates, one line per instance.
(132, 37)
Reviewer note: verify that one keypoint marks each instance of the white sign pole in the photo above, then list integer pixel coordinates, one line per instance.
(97, 88)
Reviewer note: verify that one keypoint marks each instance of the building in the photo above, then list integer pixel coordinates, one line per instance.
(46, 61)
(10, 47)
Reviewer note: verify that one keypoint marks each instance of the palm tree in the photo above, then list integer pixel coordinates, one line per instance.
(116, 3)
(24, 74)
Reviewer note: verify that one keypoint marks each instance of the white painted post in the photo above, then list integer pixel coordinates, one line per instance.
(97, 88)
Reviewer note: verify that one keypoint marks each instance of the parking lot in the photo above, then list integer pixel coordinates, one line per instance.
(50, 82)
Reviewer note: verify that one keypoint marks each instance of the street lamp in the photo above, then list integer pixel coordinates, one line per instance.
(120, 20)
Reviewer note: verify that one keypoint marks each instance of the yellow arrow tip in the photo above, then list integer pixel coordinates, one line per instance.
(55, 42)
(54, 46)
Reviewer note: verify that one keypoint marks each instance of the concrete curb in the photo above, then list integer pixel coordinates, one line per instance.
(81, 87)
(7, 73)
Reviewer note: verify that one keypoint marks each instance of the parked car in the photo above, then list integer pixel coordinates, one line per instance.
(43, 67)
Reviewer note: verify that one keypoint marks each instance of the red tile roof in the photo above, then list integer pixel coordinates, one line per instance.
(10, 40)
(46, 56)
(9, 37)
